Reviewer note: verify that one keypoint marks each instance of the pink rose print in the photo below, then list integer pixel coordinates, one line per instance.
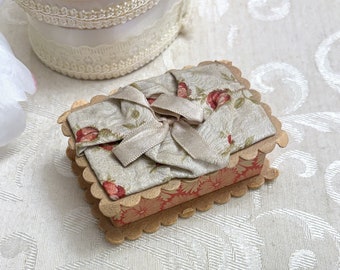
(151, 100)
(107, 146)
(182, 90)
(230, 139)
(86, 134)
(114, 191)
(217, 98)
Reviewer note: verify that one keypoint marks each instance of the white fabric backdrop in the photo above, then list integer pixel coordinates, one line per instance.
(290, 50)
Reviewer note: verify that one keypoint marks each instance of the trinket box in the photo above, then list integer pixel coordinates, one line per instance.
(163, 147)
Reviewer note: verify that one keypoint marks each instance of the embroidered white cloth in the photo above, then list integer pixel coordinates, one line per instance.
(289, 50)
(182, 124)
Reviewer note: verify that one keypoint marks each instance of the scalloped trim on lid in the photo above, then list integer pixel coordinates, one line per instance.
(111, 208)
(87, 19)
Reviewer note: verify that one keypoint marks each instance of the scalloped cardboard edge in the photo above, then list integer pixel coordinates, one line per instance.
(110, 208)
(152, 223)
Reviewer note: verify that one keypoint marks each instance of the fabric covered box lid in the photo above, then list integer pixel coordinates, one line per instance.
(182, 124)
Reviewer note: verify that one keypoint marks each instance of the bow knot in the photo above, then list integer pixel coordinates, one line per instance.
(170, 121)
(173, 115)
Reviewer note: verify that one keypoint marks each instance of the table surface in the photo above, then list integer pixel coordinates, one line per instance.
(290, 51)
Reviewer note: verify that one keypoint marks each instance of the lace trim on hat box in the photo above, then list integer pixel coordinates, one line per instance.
(87, 19)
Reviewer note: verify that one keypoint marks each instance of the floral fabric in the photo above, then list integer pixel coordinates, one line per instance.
(232, 120)
(189, 190)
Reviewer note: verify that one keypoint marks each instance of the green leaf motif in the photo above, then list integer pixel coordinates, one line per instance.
(201, 96)
(105, 132)
(249, 141)
(228, 77)
(135, 114)
(207, 111)
(141, 123)
(118, 136)
(153, 169)
(226, 152)
(239, 102)
(129, 126)
(200, 91)
(135, 86)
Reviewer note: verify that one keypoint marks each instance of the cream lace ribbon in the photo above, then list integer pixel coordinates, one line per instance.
(172, 114)
(89, 18)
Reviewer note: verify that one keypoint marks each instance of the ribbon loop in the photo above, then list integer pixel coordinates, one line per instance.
(192, 142)
(176, 107)
(137, 142)
(171, 114)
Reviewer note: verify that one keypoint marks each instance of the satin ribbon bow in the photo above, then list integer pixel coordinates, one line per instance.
(172, 114)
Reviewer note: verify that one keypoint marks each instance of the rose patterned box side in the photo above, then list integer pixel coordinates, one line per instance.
(189, 190)
(132, 231)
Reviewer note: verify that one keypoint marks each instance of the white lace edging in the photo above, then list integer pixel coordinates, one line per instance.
(110, 60)
(87, 19)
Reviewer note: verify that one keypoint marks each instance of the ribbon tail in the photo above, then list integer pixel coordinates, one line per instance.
(140, 141)
(192, 142)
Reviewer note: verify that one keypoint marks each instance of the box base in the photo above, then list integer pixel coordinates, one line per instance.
(150, 224)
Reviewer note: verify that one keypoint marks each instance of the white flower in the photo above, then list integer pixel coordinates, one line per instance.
(15, 80)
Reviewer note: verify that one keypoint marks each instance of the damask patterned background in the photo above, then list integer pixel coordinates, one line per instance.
(290, 51)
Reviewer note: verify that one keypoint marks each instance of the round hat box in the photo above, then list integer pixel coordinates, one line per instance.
(103, 39)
